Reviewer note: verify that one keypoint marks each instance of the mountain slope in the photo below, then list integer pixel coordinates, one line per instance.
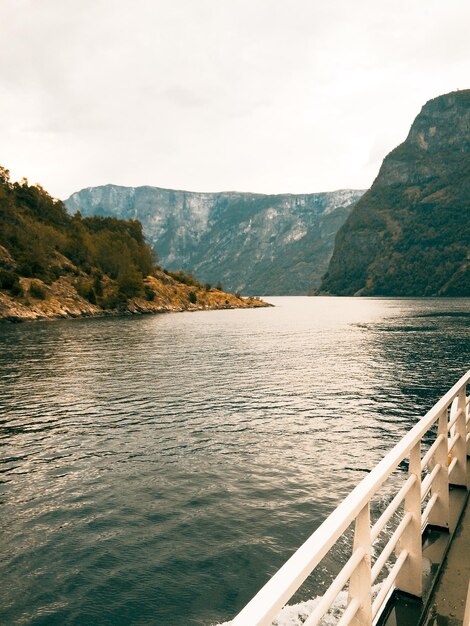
(253, 243)
(409, 235)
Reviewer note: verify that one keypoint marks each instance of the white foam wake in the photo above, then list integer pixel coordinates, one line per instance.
(296, 614)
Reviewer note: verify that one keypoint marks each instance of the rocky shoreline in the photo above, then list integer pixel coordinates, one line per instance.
(61, 300)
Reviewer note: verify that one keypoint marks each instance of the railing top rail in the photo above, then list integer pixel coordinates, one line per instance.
(267, 603)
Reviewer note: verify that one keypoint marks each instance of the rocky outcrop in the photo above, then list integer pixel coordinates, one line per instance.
(409, 234)
(61, 300)
(252, 243)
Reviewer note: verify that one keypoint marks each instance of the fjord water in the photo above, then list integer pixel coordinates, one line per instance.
(157, 470)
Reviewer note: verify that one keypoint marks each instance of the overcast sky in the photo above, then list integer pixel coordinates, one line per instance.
(250, 95)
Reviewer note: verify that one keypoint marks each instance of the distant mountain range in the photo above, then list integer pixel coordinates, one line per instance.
(252, 243)
(409, 235)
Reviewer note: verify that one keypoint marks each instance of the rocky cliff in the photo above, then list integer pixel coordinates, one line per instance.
(252, 243)
(409, 235)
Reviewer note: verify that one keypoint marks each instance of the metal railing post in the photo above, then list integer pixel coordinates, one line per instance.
(360, 582)
(467, 421)
(439, 515)
(458, 475)
(466, 617)
(410, 577)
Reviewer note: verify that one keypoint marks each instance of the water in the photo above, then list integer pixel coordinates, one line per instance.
(157, 470)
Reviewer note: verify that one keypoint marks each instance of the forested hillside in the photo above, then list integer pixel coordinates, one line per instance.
(55, 264)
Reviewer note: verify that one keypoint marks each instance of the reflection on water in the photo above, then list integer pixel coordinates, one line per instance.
(158, 470)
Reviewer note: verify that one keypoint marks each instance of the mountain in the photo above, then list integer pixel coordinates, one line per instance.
(53, 265)
(253, 243)
(409, 235)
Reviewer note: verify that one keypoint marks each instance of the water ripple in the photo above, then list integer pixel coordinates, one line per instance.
(159, 470)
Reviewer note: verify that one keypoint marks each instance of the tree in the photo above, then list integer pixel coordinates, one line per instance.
(130, 280)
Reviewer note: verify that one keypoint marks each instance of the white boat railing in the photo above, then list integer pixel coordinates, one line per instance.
(425, 499)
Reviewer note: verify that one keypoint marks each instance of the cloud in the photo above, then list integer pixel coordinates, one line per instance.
(208, 95)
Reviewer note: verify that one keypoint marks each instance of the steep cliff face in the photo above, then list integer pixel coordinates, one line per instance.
(253, 243)
(409, 235)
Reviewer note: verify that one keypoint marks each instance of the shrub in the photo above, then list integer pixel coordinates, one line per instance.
(55, 272)
(85, 289)
(7, 279)
(37, 291)
(186, 278)
(112, 300)
(130, 281)
(149, 293)
(26, 268)
(17, 289)
(97, 287)
(192, 297)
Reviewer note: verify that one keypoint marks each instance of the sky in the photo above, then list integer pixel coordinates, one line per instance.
(267, 96)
